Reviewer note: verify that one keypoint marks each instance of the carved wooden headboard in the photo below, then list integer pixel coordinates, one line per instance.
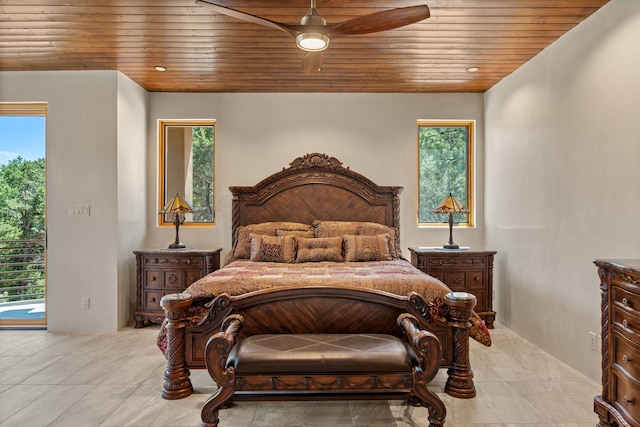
(315, 186)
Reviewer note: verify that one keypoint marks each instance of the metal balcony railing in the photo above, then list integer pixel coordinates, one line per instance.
(22, 270)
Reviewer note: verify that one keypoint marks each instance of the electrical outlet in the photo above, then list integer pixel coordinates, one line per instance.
(593, 337)
(599, 343)
(86, 303)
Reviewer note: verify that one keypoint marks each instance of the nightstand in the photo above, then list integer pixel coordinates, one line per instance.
(462, 270)
(168, 271)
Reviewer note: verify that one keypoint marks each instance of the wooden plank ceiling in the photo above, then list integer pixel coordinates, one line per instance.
(204, 51)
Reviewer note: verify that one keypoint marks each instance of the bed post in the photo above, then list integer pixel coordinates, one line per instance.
(176, 377)
(460, 381)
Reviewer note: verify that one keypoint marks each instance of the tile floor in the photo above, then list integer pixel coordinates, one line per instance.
(114, 379)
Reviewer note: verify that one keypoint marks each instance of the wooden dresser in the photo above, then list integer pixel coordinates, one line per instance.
(619, 403)
(168, 271)
(463, 271)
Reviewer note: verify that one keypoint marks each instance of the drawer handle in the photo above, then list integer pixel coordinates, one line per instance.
(153, 299)
(625, 359)
(477, 279)
(625, 324)
(625, 303)
(626, 400)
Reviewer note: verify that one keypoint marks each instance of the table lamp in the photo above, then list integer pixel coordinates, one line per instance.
(178, 207)
(450, 205)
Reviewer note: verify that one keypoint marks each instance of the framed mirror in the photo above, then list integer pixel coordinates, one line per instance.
(187, 167)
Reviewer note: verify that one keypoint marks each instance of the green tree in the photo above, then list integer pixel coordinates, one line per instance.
(203, 173)
(22, 199)
(22, 217)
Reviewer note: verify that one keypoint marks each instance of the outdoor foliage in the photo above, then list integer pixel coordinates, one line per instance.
(203, 173)
(443, 158)
(22, 228)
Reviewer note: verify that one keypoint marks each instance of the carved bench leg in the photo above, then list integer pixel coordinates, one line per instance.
(216, 353)
(176, 377)
(222, 399)
(435, 406)
(460, 381)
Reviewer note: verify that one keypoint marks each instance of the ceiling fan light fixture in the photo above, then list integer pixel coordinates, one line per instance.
(312, 42)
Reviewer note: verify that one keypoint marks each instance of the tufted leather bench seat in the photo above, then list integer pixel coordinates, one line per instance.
(323, 366)
(317, 354)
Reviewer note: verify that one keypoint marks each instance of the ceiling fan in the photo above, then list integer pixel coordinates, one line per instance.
(312, 34)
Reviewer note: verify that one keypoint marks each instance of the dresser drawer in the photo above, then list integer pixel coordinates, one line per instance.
(625, 355)
(626, 300)
(173, 279)
(627, 322)
(456, 261)
(456, 280)
(152, 300)
(460, 280)
(153, 278)
(481, 297)
(191, 276)
(626, 397)
(169, 261)
(475, 279)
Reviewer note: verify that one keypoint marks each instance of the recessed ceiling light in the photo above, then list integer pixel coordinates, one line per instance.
(473, 69)
(160, 68)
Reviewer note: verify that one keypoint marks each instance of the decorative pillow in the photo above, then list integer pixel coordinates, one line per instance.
(273, 248)
(309, 234)
(335, 228)
(374, 229)
(319, 249)
(366, 248)
(242, 247)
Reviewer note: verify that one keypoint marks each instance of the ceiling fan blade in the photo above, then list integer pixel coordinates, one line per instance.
(311, 62)
(246, 16)
(380, 21)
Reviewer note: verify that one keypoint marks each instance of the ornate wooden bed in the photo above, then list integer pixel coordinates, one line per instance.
(315, 187)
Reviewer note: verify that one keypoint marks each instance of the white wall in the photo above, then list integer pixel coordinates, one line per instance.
(102, 151)
(562, 155)
(259, 134)
(132, 189)
(82, 168)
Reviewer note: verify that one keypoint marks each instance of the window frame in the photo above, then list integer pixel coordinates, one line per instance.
(471, 191)
(163, 124)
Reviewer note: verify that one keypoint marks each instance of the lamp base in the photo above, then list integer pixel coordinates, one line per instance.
(178, 245)
(451, 246)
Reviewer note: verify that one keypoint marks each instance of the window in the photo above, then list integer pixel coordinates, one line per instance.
(445, 165)
(187, 166)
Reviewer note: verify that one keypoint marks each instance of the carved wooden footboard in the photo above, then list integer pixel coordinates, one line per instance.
(292, 310)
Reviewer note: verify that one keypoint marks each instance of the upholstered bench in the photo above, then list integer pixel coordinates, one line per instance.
(323, 367)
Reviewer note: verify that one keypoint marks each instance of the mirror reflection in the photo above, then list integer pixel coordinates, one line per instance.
(187, 165)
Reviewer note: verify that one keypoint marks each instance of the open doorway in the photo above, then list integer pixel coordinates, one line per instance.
(22, 215)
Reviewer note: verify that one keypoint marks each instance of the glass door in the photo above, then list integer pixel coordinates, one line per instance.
(22, 215)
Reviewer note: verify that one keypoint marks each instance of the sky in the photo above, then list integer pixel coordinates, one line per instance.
(21, 136)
